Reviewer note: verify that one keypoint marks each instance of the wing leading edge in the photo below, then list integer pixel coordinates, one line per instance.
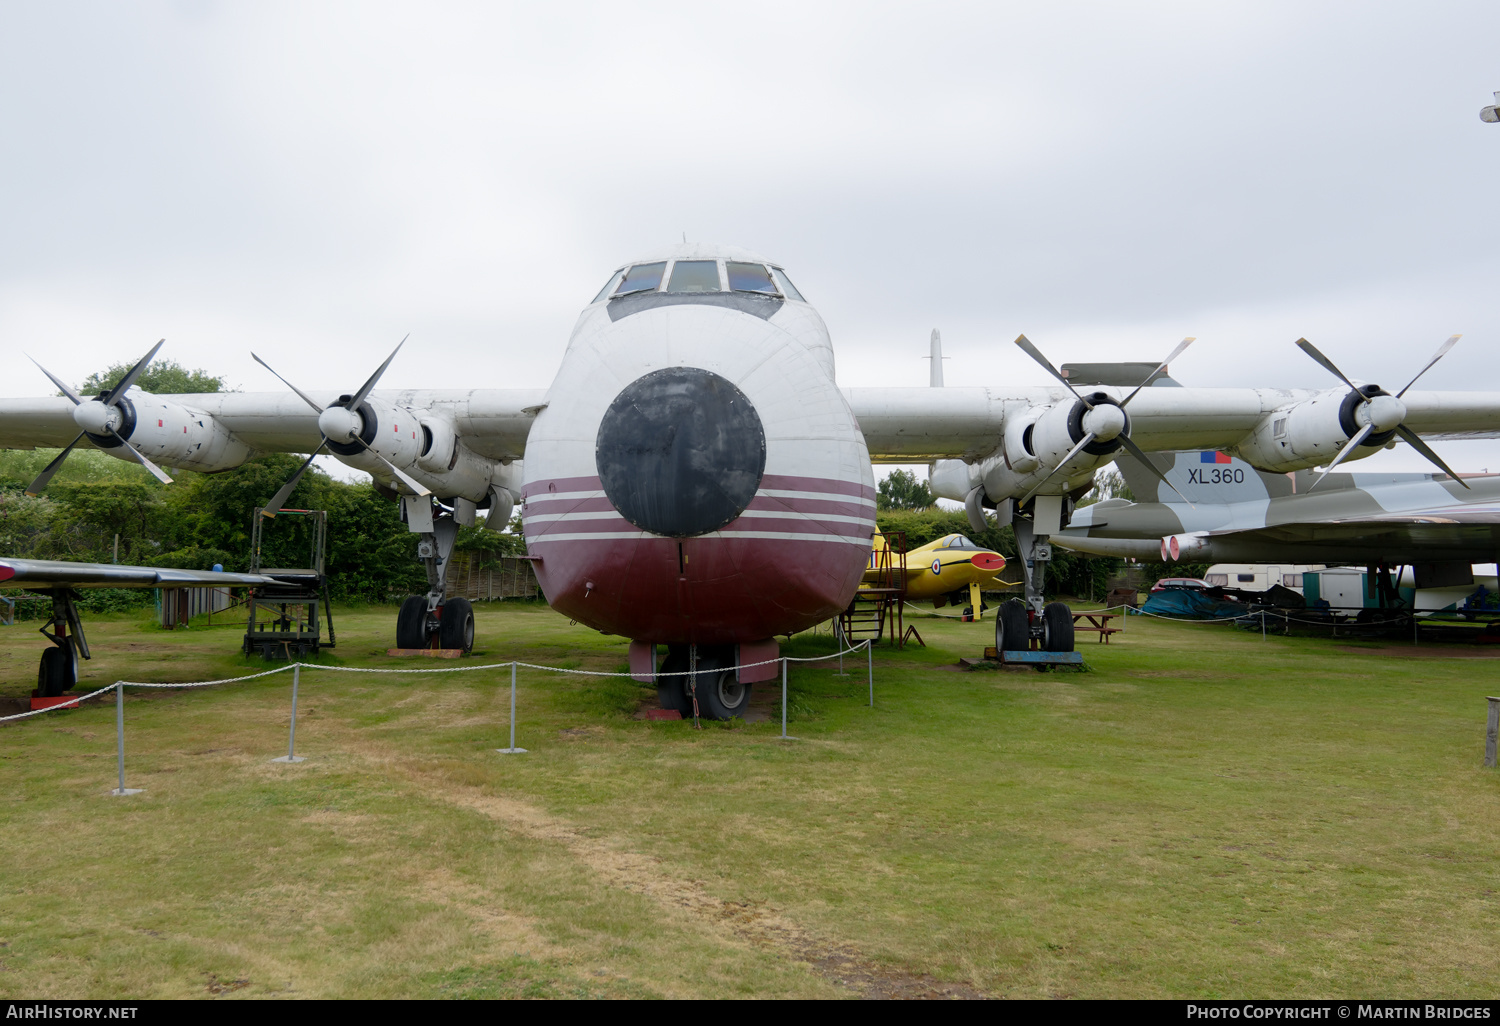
(42, 574)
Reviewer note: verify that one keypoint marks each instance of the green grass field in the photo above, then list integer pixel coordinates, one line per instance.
(1203, 814)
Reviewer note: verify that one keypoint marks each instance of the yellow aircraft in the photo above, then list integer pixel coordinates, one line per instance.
(949, 569)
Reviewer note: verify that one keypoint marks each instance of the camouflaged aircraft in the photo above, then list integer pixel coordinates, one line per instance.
(1225, 510)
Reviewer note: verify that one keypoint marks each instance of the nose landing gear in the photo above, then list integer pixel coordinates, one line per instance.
(721, 694)
(434, 620)
(58, 670)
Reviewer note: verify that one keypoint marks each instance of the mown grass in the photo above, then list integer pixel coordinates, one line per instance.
(1205, 813)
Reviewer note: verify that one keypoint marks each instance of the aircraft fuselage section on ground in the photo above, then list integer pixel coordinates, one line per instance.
(697, 476)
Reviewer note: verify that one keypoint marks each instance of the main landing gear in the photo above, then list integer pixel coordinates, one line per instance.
(702, 673)
(1035, 619)
(58, 671)
(434, 620)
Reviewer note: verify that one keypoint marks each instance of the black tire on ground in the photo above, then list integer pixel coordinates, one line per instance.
(721, 696)
(671, 692)
(57, 672)
(1012, 627)
(411, 623)
(456, 626)
(1057, 627)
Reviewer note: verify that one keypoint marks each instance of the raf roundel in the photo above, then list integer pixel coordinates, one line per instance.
(937, 566)
(681, 452)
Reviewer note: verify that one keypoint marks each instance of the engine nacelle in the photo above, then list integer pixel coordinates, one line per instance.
(170, 434)
(1312, 433)
(424, 445)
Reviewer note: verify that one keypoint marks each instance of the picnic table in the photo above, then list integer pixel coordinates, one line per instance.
(1097, 622)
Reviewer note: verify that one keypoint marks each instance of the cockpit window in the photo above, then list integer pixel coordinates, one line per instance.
(694, 276)
(749, 278)
(642, 278)
(787, 288)
(609, 289)
(958, 541)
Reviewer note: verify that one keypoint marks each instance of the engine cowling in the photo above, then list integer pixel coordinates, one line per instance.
(1312, 433)
(170, 434)
(422, 443)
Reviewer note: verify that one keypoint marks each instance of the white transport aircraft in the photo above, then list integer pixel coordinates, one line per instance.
(695, 477)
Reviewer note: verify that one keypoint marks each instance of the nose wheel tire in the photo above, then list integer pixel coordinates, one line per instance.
(456, 628)
(411, 623)
(721, 696)
(1057, 627)
(57, 673)
(1012, 627)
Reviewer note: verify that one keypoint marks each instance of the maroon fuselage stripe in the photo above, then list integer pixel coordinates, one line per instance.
(713, 589)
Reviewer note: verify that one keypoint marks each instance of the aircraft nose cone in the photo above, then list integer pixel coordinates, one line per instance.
(989, 561)
(680, 452)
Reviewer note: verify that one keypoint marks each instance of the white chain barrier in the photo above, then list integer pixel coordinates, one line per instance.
(73, 702)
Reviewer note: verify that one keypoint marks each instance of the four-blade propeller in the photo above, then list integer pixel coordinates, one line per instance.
(1383, 413)
(1103, 422)
(340, 423)
(100, 416)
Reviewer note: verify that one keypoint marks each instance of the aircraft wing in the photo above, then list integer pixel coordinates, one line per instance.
(917, 424)
(493, 422)
(42, 574)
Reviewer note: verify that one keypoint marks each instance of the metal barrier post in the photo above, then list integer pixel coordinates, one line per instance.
(784, 735)
(1262, 625)
(512, 750)
(1491, 731)
(291, 745)
(120, 741)
(870, 667)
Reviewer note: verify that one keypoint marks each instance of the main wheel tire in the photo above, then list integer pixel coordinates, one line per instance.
(671, 691)
(411, 623)
(1012, 627)
(721, 696)
(1057, 627)
(456, 625)
(57, 672)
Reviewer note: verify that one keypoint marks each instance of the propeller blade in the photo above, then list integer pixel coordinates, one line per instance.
(1036, 354)
(287, 383)
(129, 379)
(1323, 361)
(1163, 366)
(77, 400)
(415, 486)
(1359, 436)
(1442, 352)
(1063, 463)
(1140, 455)
(360, 396)
(156, 471)
(1415, 441)
(279, 499)
(51, 468)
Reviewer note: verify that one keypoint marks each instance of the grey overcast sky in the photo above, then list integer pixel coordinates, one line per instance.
(315, 180)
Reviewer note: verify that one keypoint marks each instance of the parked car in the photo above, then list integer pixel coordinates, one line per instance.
(1182, 584)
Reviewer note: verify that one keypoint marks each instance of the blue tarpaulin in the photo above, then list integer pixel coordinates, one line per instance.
(1190, 605)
